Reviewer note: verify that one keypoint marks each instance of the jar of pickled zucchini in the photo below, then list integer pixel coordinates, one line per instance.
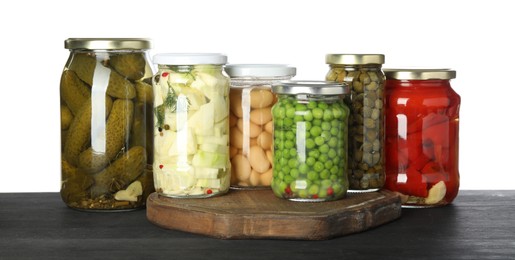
(191, 133)
(422, 120)
(106, 124)
(362, 72)
(250, 119)
(310, 141)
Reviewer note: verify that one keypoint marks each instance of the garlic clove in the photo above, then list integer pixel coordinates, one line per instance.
(125, 195)
(436, 193)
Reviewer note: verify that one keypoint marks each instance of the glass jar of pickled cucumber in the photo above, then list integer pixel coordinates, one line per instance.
(422, 121)
(106, 124)
(191, 133)
(310, 141)
(362, 72)
(250, 119)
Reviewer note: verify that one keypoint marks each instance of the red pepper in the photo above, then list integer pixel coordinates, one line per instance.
(287, 190)
(165, 74)
(315, 196)
(330, 191)
(209, 191)
(160, 166)
(414, 185)
(397, 158)
(438, 134)
(413, 145)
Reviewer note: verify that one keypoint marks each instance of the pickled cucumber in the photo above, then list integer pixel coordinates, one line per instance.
(131, 65)
(79, 132)
(75, 185)
(66, 117)
(116, 133)
(143, 92)
(84, 65)
(118, 87)
(74, 91)
(120, 173)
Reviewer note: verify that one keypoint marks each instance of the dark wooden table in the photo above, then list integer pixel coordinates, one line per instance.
(479, 225)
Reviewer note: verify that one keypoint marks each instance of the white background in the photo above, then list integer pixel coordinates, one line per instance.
(473, 37)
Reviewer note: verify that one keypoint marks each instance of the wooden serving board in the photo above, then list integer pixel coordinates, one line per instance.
(258, 214)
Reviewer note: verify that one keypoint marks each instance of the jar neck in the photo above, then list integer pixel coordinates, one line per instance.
(350, 67)
(189, 68)
(430, 83)
(242, 82)
(307, 97)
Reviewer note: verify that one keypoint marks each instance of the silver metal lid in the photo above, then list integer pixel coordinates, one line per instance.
(419, 74)
(296, 87)
(260, 70)
(354, 59)
(107, 43)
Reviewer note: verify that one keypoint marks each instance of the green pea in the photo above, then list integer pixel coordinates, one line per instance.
(334, 131)
(308, 125)
(326, 183)
(337, 188)
(328, 164)
(323, 158)
(310, 161)
(331, 153)
(314, 153)
(298, 119)
(326, 134)
(324, 148)
(319, 166)
(288, 122)
(283, 161)
(293, 153)
(337, 112)
(303, 168)
(280, 175)
(323, 105)
(290, 112)
(301, 107)
(333, 142)
(326, 126)
(303, 194)
(318, 113)
(289, 136)
(310, 144)
(322, 193)
(313, 189)
(288, 179)
(328, 115)
(308, 116)
(315, 131)
(279, 112)
(324, 175)
(317, 122)
(294, 173)
(335, 170)
(312, 104)
(312, 175)
(319, 140)
(293, 163)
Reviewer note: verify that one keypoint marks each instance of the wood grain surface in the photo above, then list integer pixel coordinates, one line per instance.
(258, 214)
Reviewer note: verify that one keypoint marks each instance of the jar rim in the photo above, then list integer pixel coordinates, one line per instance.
(354, 59)
(260, 70)
(107, 43)
(190, 58)
(419, 73)
(295, 87)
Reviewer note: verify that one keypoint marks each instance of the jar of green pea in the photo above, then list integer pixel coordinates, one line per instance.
(310, 141)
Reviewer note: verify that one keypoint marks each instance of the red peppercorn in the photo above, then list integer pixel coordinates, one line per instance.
(315, 196)
(330, 191)
(164, 74)
(287, 190)
(160, 166)
(209, 191)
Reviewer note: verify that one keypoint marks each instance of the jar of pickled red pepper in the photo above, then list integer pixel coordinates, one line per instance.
(106, 124)
(310, 141)
(191, 133)
(251, 101)
(362, 72)
(422, 120)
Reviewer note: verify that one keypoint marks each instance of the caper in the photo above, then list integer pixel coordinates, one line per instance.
(369, 123)
(379, 103)
(374, 113)
(372, 86)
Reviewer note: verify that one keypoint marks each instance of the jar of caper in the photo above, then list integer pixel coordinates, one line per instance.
(363, 73)
(310, 141)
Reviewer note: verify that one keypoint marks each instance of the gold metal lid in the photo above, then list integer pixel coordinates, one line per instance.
(107, 43)
(419, 74)
(354, 59)
(296, 87)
